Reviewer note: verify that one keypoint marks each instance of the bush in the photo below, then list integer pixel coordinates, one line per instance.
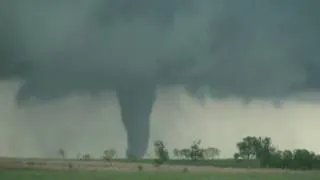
(84, 156)
(109, 154)
(185, 170)
(140, 168)
(237, 157)
(70, 165)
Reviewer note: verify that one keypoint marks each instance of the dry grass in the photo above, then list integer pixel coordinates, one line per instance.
(99, 165)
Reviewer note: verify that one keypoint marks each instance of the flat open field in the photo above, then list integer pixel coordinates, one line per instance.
(52, 169)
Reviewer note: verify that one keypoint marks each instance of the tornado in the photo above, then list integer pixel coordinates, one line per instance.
(136, 102)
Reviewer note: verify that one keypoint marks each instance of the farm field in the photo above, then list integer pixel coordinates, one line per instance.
(52, 169)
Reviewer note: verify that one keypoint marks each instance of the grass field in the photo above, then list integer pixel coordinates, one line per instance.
(58, 169)
(109, 175)
(223, 163)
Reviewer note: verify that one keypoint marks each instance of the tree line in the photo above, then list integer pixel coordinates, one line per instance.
(250, 148)
(262, 149)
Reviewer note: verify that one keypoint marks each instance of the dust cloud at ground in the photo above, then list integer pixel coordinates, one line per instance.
(82, 124)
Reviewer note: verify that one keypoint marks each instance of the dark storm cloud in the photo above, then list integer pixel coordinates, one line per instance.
(246, 48)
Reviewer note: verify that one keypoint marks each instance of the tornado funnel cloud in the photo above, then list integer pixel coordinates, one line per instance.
(136, 104)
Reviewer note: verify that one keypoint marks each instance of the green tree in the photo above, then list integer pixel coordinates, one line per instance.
(196, 152)
(237, 156)
(211, 152)
(161, 153)
(287, 158)
(275, 159)
(264, 151)
(316, 162)
(259, 148)
(85, 156)
(302, 159)
(186, 153)
(176, 152)
(248, 147)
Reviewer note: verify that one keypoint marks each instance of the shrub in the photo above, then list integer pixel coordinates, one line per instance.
(109, 154)
(185, 170)
(84, 156)
(140, 167)
(70, 165)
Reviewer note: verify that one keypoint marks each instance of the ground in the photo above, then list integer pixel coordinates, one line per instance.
(52, 169)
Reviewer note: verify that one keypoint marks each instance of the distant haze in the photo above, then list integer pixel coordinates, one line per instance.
(81, 124)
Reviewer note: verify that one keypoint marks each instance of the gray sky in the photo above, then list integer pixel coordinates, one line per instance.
(81, 124)
(260, 49)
